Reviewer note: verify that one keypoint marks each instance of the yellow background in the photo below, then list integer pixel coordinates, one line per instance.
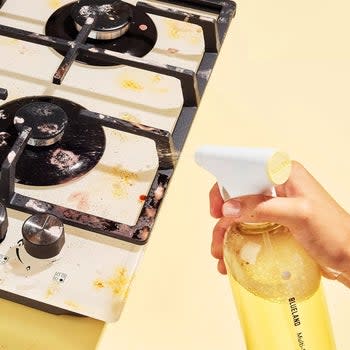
(282, 80)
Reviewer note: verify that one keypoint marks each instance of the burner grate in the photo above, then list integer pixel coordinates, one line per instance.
(136, 234)
(73, 52)
(187, 78)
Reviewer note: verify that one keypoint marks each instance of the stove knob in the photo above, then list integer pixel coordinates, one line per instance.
(43, 236)
(4, 223)
(3, 92)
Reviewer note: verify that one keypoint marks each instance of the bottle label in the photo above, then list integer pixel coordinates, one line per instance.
(297, 322)
(279, 167)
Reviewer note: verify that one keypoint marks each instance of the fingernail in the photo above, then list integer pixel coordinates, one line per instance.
(231, 209)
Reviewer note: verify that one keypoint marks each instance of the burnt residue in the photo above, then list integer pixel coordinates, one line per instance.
(78, 150)
(112, 20)
(138, 234)
(152, 203)
(63, 159)
(60, 73)
(47, 120)
(81, 199)
(2, 115)
(4, 136)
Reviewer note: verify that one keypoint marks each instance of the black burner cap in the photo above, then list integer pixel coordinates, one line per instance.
(111, 16)
(47, 121)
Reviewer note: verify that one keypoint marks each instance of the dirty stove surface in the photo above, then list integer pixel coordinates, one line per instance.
(93, 170)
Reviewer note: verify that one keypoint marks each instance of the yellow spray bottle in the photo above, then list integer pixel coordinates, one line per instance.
(276, 285)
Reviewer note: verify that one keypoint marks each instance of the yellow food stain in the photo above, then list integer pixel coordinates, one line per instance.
(72, 304)
(54, 4)
(162, 90)
(126, 176)
(155, 81)
(156, 78)
(151, 83)
(99, 284)
(118, 283)
(122, 271)
(132, 85)
(130, 118)
(119, 191)
(124, 179)
(49, 293)
(51, 290)
(184, 31)
(8, 41)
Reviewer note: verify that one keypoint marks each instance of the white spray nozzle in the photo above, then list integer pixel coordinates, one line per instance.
(244, 171)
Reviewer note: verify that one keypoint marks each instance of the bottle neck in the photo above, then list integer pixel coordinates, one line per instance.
(257, 228)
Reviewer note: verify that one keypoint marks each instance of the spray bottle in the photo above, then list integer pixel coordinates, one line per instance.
(276, 285)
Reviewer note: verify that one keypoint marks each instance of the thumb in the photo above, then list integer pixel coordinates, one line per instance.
(290, 212)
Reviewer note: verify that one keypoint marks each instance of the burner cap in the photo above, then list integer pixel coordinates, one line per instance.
(47, 121)
(113, 18)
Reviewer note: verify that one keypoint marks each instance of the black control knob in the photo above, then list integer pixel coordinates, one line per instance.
(3, 92)
(43, 236)
(4, 223)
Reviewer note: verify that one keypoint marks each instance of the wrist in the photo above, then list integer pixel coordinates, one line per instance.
(344, 275)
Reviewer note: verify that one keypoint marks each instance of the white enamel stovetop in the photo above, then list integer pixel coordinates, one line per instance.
(92, 263)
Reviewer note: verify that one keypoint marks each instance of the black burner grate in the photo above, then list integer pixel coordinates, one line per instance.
(136, 234)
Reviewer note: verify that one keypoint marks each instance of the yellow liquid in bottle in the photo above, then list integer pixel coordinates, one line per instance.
(289, 325)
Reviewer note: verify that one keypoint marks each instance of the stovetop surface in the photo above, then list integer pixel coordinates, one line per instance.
(119, 192)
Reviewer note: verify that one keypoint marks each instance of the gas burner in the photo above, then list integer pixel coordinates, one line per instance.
(118, 27)
(79, 143)
(47, 121)
(112, 18)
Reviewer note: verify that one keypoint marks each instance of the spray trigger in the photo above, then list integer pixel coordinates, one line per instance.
(244, 171)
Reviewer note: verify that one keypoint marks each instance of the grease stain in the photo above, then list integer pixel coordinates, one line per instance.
(117, 283)
(184, 31)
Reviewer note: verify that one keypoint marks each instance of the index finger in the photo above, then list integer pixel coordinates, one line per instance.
(216, 202)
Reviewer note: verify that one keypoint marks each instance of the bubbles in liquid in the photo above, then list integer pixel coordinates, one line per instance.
(276, 269)
(286, 275)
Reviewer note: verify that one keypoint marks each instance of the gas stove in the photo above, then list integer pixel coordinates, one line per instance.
(99, 96)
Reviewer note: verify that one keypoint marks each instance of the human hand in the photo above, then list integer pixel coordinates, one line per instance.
(314, 218)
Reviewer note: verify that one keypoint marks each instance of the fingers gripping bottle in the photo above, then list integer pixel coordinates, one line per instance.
(276, 285)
